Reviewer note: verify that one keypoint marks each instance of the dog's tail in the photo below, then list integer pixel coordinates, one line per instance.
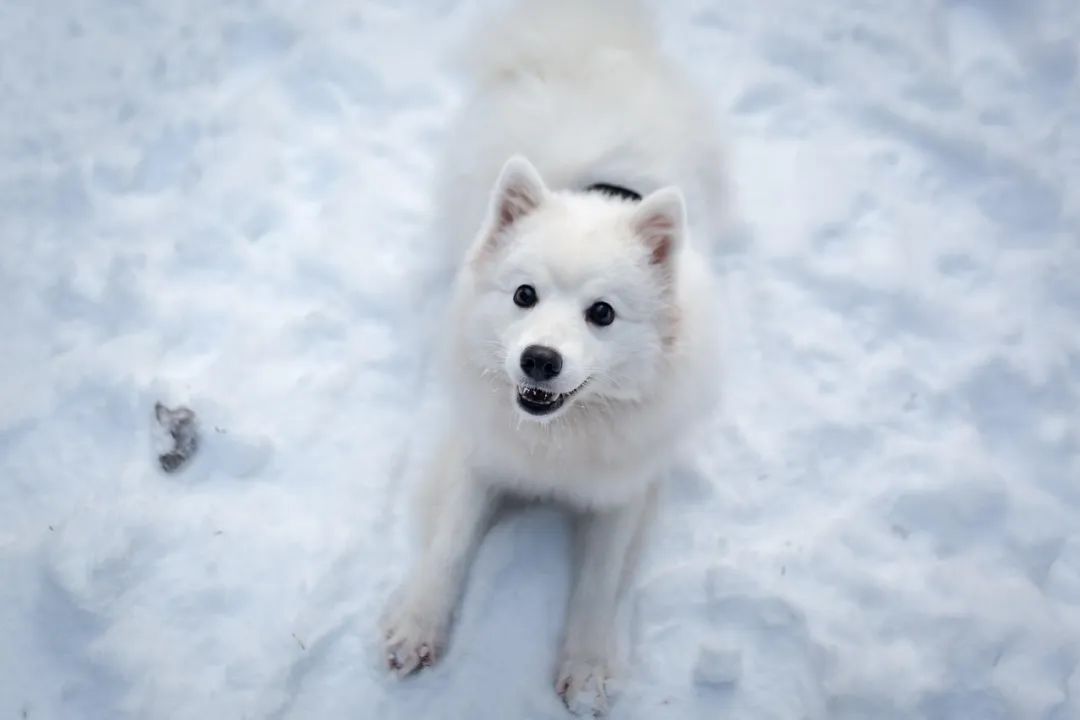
(540, 44)
(555, 37)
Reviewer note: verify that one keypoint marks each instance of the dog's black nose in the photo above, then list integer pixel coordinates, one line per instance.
(541, 363)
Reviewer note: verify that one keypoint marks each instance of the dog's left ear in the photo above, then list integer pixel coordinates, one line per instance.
(660, 221)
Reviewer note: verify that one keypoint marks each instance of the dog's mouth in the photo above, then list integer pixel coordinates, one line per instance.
(537, 401)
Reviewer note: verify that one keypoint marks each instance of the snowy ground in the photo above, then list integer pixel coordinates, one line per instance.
(223, 204)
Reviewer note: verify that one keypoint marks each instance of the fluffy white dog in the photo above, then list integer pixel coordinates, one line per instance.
(581, 346)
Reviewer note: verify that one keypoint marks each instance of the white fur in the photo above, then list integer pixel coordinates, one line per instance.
(567, 94)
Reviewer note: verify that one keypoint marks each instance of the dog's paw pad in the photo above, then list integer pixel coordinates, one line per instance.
(411, 644)
(582, 684)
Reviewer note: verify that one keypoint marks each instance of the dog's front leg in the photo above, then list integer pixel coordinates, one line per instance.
(607, 542)
(417, 622)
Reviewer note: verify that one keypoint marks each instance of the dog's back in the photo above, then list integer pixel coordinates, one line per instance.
(582, 89)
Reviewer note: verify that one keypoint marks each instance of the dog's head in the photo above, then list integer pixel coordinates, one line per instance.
(572, 295)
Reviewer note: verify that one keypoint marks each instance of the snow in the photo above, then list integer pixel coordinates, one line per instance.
(717, 666)
(223, 206)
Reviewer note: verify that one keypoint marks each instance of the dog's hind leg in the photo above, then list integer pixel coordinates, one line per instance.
(607, 543)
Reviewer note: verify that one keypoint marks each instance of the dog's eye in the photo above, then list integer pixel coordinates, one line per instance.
(600, 313)
(525, 296)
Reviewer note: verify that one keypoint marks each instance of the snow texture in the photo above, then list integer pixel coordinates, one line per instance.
(223, 206)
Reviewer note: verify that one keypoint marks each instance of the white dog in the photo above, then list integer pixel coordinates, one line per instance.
(582, 342)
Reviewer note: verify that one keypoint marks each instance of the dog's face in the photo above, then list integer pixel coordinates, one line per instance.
(572, 294)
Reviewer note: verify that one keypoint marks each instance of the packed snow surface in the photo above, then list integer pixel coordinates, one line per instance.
(225, 205)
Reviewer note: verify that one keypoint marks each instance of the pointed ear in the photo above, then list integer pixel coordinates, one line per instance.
(518, 191)
(660, 222)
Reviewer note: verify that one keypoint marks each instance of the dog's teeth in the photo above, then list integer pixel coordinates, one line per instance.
(538, 395)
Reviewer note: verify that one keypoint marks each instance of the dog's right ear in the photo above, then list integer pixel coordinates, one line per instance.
(518, 191)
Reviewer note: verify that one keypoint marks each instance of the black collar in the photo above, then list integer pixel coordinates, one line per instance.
(618, 191)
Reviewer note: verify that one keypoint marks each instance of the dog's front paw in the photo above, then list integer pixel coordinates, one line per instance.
(413, 640)
(582, 684)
